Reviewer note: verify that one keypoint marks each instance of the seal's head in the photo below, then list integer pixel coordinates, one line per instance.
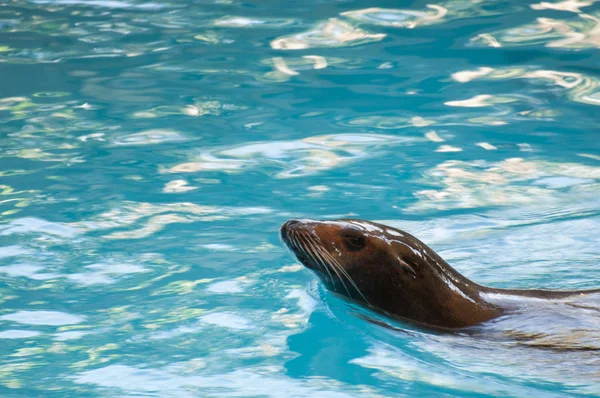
(386, 269)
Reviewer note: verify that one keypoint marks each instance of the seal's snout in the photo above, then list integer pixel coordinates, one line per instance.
(289, 224)
(293, 224)
(287, 227)
(297, 236)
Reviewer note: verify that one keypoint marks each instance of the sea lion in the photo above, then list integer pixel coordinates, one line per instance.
(393, 272)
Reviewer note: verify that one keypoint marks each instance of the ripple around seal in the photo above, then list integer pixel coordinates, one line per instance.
(333, 33)
(393, 365)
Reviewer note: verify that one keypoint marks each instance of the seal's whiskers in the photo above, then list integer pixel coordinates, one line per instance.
(335, 264)
(319, 249)
(313, 247)
(330, 262)
(306, 249)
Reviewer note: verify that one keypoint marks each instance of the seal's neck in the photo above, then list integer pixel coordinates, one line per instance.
(464, 301)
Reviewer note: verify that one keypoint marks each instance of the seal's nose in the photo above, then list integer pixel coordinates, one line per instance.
(287, 225)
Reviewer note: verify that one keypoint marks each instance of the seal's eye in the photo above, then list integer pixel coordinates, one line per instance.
(354, 241)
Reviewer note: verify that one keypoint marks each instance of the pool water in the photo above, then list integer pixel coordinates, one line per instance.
(150, 150)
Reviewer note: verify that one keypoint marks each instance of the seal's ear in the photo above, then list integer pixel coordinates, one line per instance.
(405, 266)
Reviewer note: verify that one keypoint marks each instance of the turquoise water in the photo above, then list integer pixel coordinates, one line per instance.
(149, 152)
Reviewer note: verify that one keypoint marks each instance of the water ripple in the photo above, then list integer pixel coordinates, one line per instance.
(245, 22)
(18, 334)
(104, 3)
(439, 13)
(149, 137)
(170, 382)
(509, 182)
(398, 18)
(333, 33)
(554, 33)
(579, 87)
(52, 318)
(296, 158)
(155, 217)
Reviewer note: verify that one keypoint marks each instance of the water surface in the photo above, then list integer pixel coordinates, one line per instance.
(149, 152)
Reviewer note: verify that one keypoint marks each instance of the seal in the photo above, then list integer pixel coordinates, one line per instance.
(392, 272)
